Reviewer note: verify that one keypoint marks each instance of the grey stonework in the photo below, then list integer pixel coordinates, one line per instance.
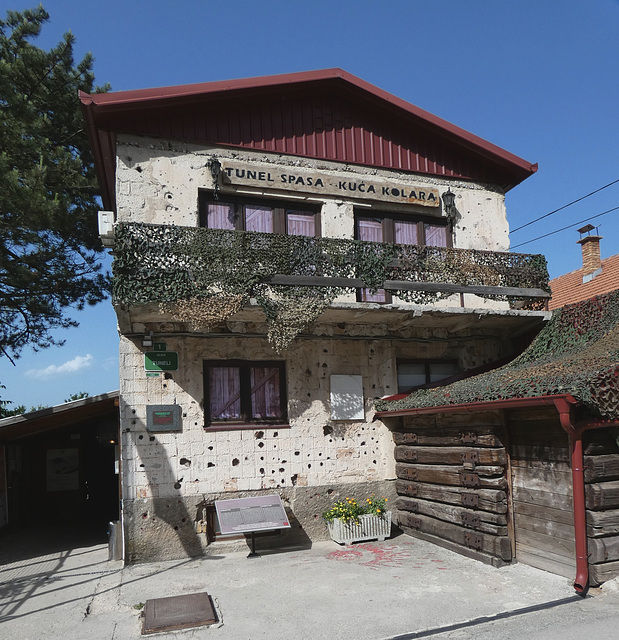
(167, 528)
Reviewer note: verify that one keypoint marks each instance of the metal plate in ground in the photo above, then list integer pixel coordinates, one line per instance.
(178, 612)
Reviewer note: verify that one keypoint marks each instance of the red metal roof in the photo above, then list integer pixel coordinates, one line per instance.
(328, 114)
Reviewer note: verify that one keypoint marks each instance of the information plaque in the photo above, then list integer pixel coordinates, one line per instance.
(163, 417)
(246, 515)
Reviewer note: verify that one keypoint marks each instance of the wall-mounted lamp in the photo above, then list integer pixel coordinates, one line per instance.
(449, 203)
(147, 341)
(215, 172)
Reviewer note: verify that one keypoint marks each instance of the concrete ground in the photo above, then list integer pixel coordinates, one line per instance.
(401, 589)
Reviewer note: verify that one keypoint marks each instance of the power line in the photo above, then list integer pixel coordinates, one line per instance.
(569, 204)
(564, 228)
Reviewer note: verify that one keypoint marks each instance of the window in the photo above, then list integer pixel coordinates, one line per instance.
(266, 216)
(383, 228)
(239, 392)
(416, 373)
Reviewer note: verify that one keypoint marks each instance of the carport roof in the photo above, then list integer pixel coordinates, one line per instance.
(61, 415)
(576, 354)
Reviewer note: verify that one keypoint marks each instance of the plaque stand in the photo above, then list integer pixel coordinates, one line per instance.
(252, 553)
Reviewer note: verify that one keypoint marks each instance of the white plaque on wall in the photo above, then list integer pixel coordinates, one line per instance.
(347, 398)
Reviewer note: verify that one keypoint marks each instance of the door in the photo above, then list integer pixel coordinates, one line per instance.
(542, 491)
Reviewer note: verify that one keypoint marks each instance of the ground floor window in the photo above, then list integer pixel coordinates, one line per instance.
(417, 373)
(239, 392)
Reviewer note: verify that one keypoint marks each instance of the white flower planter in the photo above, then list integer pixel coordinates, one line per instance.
(370, 527)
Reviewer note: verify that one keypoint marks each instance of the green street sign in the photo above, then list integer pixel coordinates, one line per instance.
(161, 361)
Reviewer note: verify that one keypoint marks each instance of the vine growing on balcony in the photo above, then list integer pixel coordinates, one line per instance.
(204, 276)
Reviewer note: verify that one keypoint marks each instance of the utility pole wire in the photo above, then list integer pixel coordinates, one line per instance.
(564, 228)
(610, 184)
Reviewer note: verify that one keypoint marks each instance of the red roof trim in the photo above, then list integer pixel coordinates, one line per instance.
(511, 403)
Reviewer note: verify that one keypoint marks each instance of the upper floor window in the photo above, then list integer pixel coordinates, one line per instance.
(398, 230)
(266, 216)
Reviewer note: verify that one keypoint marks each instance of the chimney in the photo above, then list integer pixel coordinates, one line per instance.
(591, 260)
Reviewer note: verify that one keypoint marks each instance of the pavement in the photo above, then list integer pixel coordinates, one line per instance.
(399, 589)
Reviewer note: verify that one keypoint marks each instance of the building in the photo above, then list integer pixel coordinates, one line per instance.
(596, 276)
(60, 465)
(288, 249)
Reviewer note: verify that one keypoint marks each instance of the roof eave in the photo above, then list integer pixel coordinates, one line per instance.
(470, 407)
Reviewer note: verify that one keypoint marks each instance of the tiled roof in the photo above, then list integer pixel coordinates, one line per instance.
(577, 354)
(569, 288)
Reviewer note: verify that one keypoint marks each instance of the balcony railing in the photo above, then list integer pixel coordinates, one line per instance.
(159, 263)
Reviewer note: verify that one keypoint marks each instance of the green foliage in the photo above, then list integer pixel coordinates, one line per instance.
(49, 246)
(349, 509)
(5, 412)
(224, 269)
(77, 396)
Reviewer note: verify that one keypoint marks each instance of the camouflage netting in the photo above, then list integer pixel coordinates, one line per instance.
(577, 353)
(204, 276)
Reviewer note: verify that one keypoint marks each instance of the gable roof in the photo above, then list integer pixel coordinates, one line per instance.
(327, 114)
(575, 354)
(569, 288)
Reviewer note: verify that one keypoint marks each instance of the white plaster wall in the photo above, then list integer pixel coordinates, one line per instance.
(314, 450)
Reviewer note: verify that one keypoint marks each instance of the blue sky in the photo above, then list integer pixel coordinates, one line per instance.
(536, 77)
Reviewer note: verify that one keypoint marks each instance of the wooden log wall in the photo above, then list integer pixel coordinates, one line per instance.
(602, 500)
(452, 484)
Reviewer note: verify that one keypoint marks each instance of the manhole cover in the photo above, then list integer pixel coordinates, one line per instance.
(178, 612)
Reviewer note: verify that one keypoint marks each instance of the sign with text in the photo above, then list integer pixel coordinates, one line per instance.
(161, 361)
(244, 515)
(320, 182)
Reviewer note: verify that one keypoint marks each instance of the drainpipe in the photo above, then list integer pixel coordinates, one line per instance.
(564, 406)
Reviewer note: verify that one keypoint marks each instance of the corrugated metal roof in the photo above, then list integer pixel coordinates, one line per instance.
(329, 114)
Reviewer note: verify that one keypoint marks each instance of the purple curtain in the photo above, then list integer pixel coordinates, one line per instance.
(258, 218)
(405, 232)
(265, 392)
(225, 392)
(220, 216)
(371, 230)
(436, 236)
(300, 224)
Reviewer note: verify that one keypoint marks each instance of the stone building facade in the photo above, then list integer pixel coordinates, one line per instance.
(269, 378)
